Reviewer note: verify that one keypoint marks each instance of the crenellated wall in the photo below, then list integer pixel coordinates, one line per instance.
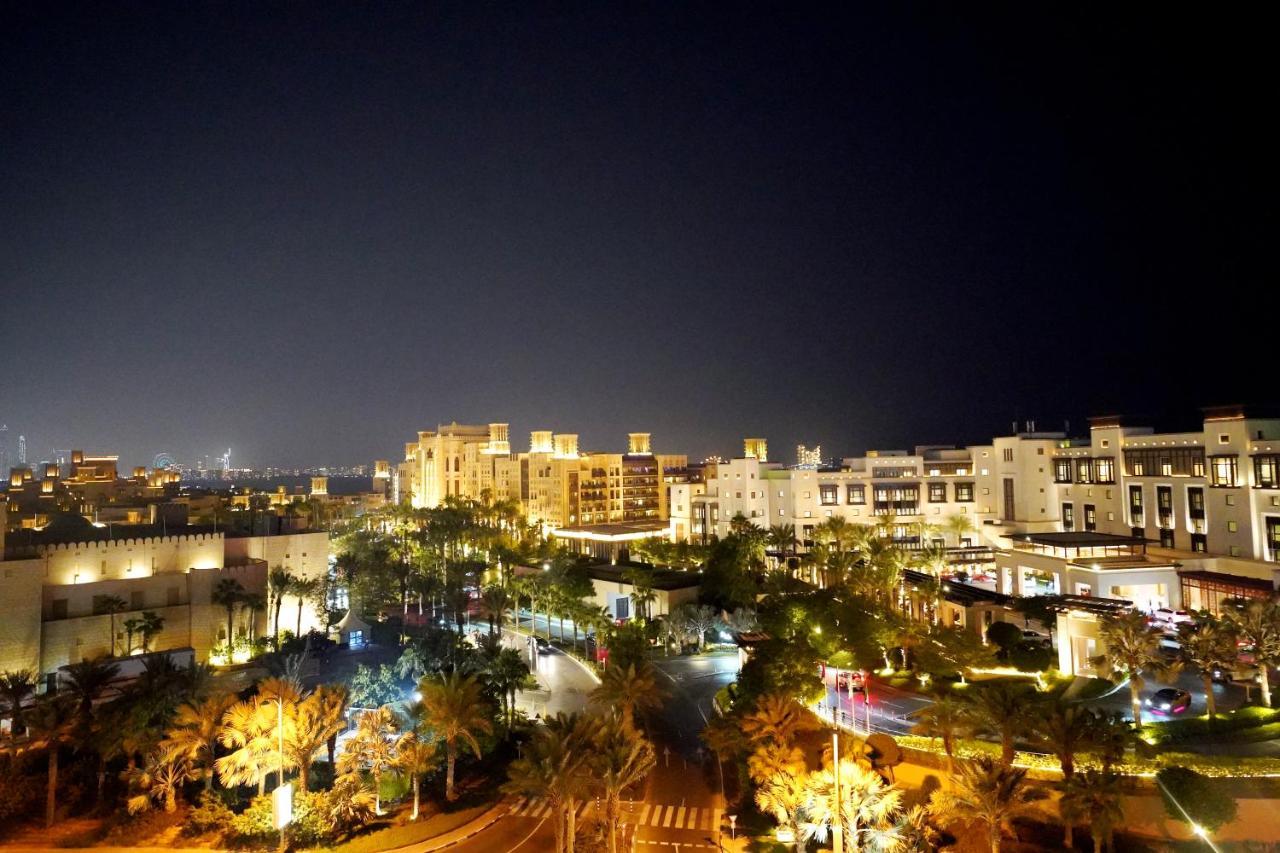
(84, 562)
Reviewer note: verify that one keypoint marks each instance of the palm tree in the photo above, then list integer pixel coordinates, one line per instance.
(958, 525)
(945, 718)
(782, 537)
(113, 604)
(777, 718)
(782, 796)
(149, 624)
(1095, 796)
(308, 728)
(494, 603)
(195, 731)
(249, 730)
(1133, 647)
(332, 700)
(131, 627)
(622, 757)
(51, 725)
(506, 673)
(279, 582)
(160, 779)
(16, 685)
(1212, 647)
(1258, 623)
(228, 594)
(370, 747)
(628, 690)
(302, 588)
(250, 605)
(772, 759)
(452, 709)
(1001, 709)
(990, 795)
(415, 756)
(1064, 729)
(553, 767)
(87, 679)
(865, 808)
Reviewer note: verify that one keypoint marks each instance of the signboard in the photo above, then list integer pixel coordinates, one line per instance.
(282, 806)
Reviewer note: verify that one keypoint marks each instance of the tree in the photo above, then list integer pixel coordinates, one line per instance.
(249, 731)
(622, 757)
(1064, 729)
(494, 603)
(774, 759)
(195, 731)
(228, 594)
(988, 794)
(553, 767)
(87, 680)
(958, 525)
(131, 627)
(698, 619)
(302, 589)
(1258, 623)
(279, 583)
(1207, 649)
(113, 605)
(1094, 796)
(782, 797)
(16, 685)
(505, 673)
(1133, 647)
(451, 707)
(1006, 635)
(332, 701)
(51, 725)
(149, 624)
(629, 690)
(415, 756)
(777, 718)
(783, 538)
(371, 748)
(159, 779)
(310, 726)
(1001, 709)
(947, 719)
(865, 810)
(372, 688)
(1191, 798)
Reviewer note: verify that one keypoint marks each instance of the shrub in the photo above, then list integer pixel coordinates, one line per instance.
(1191, 798)
(1030, 657)
(1006, 635)
(255, 826)
(210, 814)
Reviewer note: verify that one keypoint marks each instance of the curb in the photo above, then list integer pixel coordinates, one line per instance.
(456, 836)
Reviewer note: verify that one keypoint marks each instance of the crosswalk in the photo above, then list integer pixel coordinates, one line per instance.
(657, 815)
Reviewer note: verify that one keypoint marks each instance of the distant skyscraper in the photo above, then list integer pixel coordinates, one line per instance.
(5, 458)
(808, 457)
(22, 450)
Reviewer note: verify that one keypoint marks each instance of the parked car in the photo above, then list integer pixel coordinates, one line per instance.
(1031, 635)
(1170, 640)
(1167, 616)
(1169, 700)
(847, 681)
(1241, 671)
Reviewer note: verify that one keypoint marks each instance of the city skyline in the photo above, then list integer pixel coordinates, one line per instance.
(342, 223)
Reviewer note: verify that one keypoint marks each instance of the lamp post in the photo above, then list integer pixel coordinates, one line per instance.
(837, 827)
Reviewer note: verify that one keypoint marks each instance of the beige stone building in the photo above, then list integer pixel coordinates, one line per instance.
(56, 585)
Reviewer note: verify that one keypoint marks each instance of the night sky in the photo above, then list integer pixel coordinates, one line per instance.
(306, 231)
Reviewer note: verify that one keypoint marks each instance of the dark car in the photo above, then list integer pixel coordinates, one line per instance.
(543, 645)
(1169, 700)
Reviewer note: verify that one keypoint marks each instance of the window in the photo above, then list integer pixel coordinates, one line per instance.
(1090, 517)
(1273, 537)
(937, 493)
(964, 492)
(1084, 471)
(899, 500)
(1195, 502)
(855, 493)
(1135, 501)
(1008, 454)
(1166, 537)
(58, 608)
(829, 493)
(1062, 470)
(1223, 438)
(1266, 472)
(1068, 517)
(1233, 527)
(1164, 461)
(1223, 470)
(1104, 469)
(1199, 542)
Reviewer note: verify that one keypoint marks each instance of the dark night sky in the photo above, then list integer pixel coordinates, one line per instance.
(307, 230)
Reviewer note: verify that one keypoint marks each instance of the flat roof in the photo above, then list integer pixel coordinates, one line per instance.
(663, 579)
(1076, 539)
(614, 531)
(1088, 603)
(959, 593)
